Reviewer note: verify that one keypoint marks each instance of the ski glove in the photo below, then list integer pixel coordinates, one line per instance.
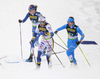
(20, 21)
(56, 32)
(78, 42)
(52, 34)
(31, 41)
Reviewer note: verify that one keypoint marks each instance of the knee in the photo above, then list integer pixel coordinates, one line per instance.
(39, 54)
(40, 49)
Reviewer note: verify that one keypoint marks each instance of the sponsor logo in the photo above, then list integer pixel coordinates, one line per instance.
(33, 17)
(72, 30)
(43, 29)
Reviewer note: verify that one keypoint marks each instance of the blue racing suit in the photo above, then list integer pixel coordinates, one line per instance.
(72, 39)
(34, 19)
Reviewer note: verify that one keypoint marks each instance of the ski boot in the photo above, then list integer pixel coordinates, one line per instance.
(38, 66)
(30, 59)
(50, 65)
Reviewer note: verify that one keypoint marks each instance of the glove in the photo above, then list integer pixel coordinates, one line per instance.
(20, 21)
(52, 34)
(78, 42)
(31, 41)
(56, 32)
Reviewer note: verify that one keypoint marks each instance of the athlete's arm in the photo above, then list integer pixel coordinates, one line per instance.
(26, 17)
(81, 33)
(50, 33)
(62, 27)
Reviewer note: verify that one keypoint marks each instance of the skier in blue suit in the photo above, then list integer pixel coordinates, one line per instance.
(34, 16)
(73, 41)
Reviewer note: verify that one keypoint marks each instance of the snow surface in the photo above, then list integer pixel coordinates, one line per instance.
(87, 16)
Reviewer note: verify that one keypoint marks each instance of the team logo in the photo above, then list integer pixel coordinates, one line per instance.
(49, 28)
(40, 46)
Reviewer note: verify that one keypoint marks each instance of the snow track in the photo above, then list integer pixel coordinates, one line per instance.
(87, 17)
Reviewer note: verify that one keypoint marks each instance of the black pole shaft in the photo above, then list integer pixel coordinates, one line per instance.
(60, 45)
(54, 52)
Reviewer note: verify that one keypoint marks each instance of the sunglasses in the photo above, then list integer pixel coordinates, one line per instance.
(31, 10)
(41, 22)
(70, 22)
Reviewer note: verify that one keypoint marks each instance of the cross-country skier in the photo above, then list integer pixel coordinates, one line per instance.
(45, 30)
(73, 41)
(33, 15)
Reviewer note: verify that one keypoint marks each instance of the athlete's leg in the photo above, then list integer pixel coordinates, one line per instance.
(40, 51)
(49, 51)
(70, 52)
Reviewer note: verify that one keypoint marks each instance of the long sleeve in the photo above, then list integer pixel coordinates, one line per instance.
(26, 17)
(81, 33)
(62, 27)
(48, 27)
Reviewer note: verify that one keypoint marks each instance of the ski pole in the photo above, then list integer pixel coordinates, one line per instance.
(21, 41)
(61, 40)
(60, 45)
(54, 52)
(33, 55)
(84, 56)
(79, 48)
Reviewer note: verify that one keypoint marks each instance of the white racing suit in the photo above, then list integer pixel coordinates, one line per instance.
(46, 42)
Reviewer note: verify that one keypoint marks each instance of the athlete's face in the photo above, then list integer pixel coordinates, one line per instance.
(70, 24)
(42, 23)
(31, 11)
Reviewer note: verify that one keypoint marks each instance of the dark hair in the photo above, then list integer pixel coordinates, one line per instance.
(71, 17)
(34, 6)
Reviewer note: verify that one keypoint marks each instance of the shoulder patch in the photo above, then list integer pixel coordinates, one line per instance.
(49, 28)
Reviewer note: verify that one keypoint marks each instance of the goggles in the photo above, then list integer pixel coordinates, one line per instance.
(69, 22)
(41, 22)
(31, 10)
(31, 7)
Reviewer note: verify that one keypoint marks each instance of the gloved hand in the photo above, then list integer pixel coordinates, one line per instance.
(56, 32)
(78, 42)
(31, 41)
(52, 34)
(20, 21)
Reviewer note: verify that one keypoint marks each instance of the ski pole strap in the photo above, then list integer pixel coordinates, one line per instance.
(61, 40)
